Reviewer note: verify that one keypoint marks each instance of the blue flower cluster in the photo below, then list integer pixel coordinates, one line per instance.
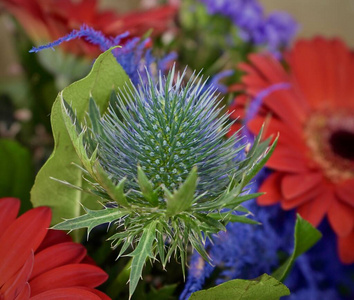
(274, 31)
(133, 56)
(236, 254)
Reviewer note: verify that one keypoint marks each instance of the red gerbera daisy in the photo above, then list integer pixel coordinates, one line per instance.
(313, 162)
(41, 264)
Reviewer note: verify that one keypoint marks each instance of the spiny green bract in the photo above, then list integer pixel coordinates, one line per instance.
(159, 160)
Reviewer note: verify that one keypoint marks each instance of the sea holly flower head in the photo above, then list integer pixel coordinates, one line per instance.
(159, 162)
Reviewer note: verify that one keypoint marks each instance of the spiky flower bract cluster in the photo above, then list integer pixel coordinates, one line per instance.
(162, 168)
(167, 130)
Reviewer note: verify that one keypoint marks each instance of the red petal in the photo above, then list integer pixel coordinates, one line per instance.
(54, 237)
(346, 248)
(65, 294)
(271, 188)
(56, 256)
(100, 294)
(13, 287)
(294, 185)
(315, 210)
(9, 208)
(287, 159)
(68, 276)
(25, 293)
(341, 218)
(288, 204)
(345, 192)
(21, 237)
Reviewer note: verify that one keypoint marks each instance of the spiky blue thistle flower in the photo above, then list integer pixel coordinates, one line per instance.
(162, 168)
(167, 129)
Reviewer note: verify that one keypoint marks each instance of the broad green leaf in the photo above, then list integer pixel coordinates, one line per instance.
(105, 76)
(91, 219)
(305, 237)
(142, 251)
(16, 172)
(147, 188)
(183, 198)
(264, 287)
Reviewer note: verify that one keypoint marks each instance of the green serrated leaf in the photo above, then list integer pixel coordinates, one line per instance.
(91, 219)
(183, 198)
(116, 192)
(264, 287)
(65, 202)
(147, 188)
(259, 165)
(210, 222)
(229, 217)
(94, 115)
(305, 236)
(142, 251)
(160, 242)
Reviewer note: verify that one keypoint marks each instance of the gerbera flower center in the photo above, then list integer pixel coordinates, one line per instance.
(330, 137)
(342, 143)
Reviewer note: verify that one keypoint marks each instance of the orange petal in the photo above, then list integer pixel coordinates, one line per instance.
(68, 276)
(273, 126)
(345, 192)
(66, 293)
(269, 67)
(315, 210)
(288, 204)
(346, 248)
(294, 185)
(9, 208)
(309, 79)
(21, 238)
(341, 218)
(287, 159)
(271, 188)
(56, 256)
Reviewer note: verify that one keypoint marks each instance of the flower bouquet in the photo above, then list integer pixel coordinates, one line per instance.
(191, 152)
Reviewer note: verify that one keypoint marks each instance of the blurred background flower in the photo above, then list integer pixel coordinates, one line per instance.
(37, 263)
(45, 21)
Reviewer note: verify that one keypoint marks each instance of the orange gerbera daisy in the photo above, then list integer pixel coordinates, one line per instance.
(40, 264)
(313, 162)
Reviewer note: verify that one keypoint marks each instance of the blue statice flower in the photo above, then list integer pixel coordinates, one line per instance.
(274, 32)
(133, 56)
